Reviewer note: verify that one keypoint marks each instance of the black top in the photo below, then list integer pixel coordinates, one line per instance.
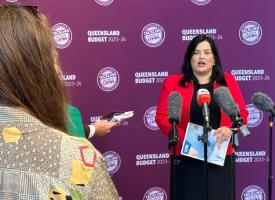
(214, 109)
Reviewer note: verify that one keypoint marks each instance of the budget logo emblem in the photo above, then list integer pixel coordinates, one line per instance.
(149, 118)
(253, 192)
(113, 160)
(200, 2)
(255, 116)
(155, 193)
(104, 2)
(153, 35)
(62, 35)
(108, 79)
(250, 33)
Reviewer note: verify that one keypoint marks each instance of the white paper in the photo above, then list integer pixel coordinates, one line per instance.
(194, 148)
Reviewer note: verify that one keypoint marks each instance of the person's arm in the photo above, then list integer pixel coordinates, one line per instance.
(99, 128)
(89, 130)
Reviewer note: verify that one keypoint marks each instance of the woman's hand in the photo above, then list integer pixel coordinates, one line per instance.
(223, 133)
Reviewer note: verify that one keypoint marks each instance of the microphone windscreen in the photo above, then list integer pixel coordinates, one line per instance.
(225, 100)
(262, 102)
(174, 106)
(203, 96)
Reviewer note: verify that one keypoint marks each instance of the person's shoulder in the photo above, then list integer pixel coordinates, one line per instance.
(74, 141)
(71, 143)
(174, 78)
(229, 77)
(227, 74)
(73, 109)
(172, 81)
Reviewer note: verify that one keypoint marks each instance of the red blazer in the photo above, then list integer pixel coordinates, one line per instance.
(171, 83)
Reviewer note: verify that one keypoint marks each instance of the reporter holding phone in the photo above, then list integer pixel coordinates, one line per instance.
(76, 127)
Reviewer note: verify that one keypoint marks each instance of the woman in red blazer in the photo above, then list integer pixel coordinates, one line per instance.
(201, 69)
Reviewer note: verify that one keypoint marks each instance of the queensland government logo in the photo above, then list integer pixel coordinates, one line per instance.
(155, 193)
(200, 2)
(113, 160)
(108, 79)
(250, 33)
(149, 118)
(255, 116)
(253, 192)
(104, 2)
(153, 35)
(62, 35)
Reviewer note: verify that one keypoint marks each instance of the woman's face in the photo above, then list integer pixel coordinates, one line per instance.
(202, 60)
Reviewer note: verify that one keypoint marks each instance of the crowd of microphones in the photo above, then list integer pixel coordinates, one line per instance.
(226, 102)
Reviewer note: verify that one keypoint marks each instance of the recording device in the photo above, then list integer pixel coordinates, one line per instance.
(174, 117)
(174, 107)
(203, 99)
(225, 100)
(263, 102)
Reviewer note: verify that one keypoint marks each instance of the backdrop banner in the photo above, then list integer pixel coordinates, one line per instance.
(115, 55)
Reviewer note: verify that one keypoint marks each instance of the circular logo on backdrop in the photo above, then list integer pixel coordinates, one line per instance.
(62, 35)
(200, 2)
(108, 79)
(113, 160)
(253, 192)
(255, 116)
(104, 2)
(250, 33)
(149, 118)
(155, 193)
(153, 35)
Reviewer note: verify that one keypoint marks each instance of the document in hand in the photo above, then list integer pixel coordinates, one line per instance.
(118, 116)
(193, 147)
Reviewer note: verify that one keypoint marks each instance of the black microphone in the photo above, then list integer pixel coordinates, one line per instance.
(174, 116)
(174, 107)
(263, 102)
(225, 100)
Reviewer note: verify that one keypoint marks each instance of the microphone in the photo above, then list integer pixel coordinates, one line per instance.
(174, 107)
(225, 100)
(203, 99)
(263, 102)
(174, 116)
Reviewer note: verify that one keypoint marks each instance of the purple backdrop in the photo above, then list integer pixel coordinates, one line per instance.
(115, 55)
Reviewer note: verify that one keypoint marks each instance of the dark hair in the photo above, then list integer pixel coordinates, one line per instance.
(186, 68)
(28, 76)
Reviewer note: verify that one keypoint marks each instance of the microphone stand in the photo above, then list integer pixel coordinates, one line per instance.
(204, 140)
(234, 129)
(270, 177)
(236, 123)
(172, 142)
